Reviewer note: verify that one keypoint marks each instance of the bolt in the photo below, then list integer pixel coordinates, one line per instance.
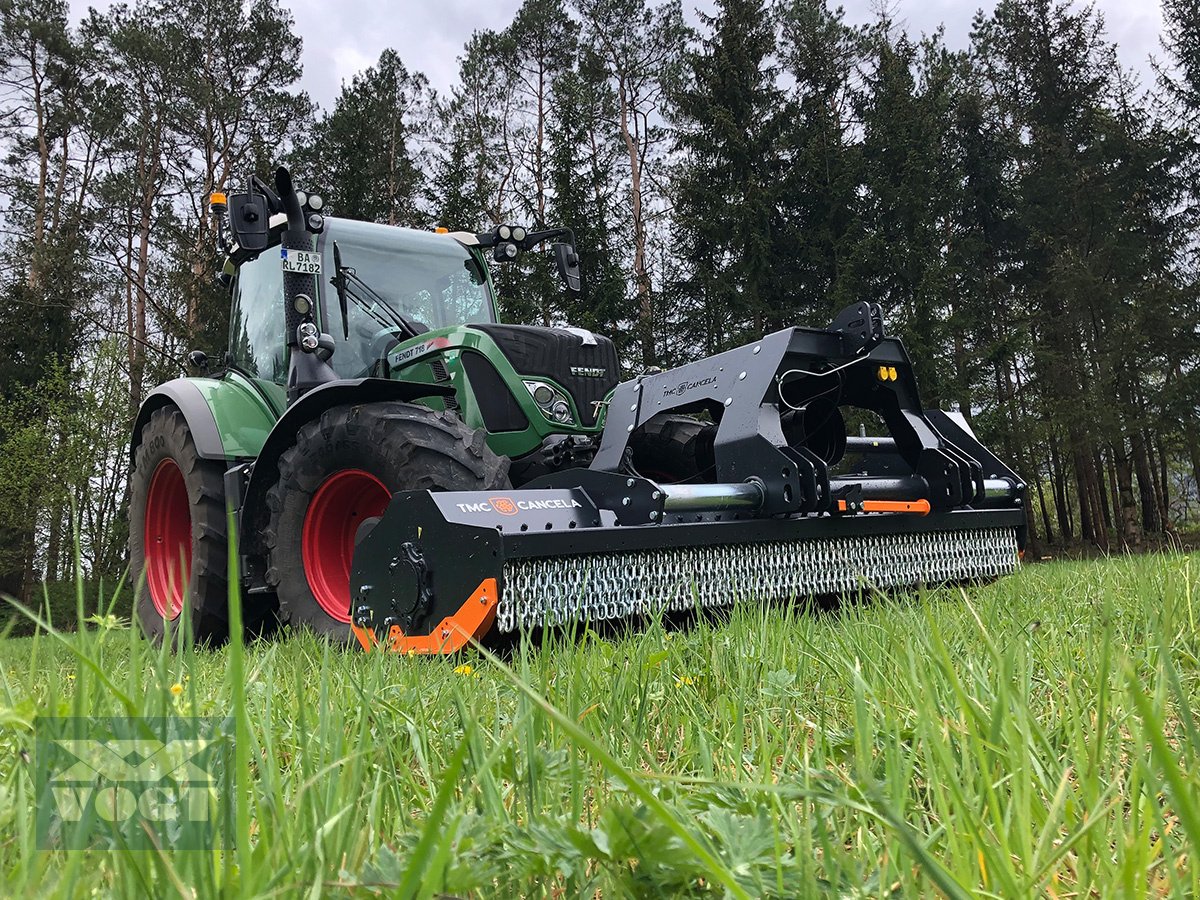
(630, 428)
(628, 482)
(625, 501)
(637, 387)
(655, 495)
(756, 349)
(653, 514)
(633, 408)
(742, 377)
(728, 401)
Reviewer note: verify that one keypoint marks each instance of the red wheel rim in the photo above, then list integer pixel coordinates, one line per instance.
(339, 506)
(168, 539)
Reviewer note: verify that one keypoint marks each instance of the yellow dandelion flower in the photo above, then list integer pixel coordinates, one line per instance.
(670, 636)
(176, 689)
(464, 669)
(684, 680)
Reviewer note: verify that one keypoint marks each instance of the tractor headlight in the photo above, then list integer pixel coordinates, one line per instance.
(551, 401)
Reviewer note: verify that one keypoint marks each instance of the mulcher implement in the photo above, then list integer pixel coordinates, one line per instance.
(929, 504)
(408, 474)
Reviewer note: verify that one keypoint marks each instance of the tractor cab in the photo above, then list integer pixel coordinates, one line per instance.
(397, 281)
(318, 300)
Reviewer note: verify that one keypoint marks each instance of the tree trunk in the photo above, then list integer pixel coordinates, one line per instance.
(1098, 467)
(1147, 494)
(1164, 483)
(1086, 526)
(641, 272)
(1037, 483)
(1062, 504)
(1128, 529)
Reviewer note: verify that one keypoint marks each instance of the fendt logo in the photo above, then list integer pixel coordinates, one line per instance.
(588, 371)
(403, 357)
(140, 783)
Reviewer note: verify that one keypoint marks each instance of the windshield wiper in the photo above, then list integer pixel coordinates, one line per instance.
(339, 283)
(377, 307)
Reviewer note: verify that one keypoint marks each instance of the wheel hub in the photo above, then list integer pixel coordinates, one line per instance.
(340, 505)
(168, 539)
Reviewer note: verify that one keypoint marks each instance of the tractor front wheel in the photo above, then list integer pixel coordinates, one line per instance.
(178, 538)
(341, 471)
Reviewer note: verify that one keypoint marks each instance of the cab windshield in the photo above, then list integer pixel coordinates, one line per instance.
(430, 279)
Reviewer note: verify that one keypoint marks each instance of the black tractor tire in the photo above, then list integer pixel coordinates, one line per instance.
(177, 514)
(672, 448)
(341, 471)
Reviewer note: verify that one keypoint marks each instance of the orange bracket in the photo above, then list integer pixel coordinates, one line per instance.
(920, 507)
(472, 620)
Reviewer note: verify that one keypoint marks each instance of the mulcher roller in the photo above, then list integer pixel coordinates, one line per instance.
(792, 508)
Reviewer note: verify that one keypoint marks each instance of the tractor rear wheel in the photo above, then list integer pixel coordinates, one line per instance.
(342, 470)
(178, 537)
(673, 448)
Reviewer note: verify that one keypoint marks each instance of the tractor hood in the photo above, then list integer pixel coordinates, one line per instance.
(583, 363)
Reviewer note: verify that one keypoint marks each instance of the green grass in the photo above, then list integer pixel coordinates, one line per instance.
(1033, 737)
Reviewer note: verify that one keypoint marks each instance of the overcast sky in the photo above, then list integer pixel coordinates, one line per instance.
(344, 36)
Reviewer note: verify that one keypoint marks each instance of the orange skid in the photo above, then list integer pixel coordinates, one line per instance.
(473, 620)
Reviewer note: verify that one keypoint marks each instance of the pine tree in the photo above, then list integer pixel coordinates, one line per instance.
(639, 48)
(727, 134)
(583, 162)
(819, 193)
(369, 144)
(910, 185)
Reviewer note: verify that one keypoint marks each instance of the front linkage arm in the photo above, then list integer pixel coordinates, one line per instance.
(745, 390)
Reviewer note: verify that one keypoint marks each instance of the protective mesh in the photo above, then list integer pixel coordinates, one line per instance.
(614, 585)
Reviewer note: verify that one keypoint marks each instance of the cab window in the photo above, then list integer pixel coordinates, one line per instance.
(257, 322)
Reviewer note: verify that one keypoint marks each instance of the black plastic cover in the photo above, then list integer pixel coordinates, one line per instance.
(588, 371)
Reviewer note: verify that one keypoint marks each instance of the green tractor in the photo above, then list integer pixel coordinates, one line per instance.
(404, 469)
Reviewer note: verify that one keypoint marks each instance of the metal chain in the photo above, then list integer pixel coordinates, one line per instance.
(552, 591)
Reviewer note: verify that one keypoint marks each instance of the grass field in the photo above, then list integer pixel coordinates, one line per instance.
(1034, 737)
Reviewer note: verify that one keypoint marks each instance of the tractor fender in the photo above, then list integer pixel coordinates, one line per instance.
(335, 393)
(187, 396)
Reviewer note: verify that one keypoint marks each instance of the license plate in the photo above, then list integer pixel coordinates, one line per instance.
(304, 262)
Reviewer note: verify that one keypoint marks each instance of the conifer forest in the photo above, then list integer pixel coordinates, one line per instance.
(1023, 206)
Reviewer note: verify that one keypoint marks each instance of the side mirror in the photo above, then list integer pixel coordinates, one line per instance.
(198, 360)
(250, 221)
(568, 267)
